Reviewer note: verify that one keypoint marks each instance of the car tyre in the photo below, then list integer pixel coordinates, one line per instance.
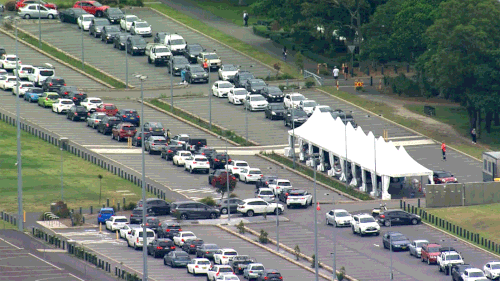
(213, 216)
(118, 138)
(191, 170)
(184, 217)
(387, 223)
(98, 14)
(223, 211)
(250, 213)
(429, 263)
(51, 17)
(27, 16)
(414, 221)
(164, 262)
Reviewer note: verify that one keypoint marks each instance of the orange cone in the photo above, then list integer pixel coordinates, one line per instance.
(337, 85)
(318, 207)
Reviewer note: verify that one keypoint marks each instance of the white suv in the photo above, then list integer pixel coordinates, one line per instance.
(492, 269)
(278, 184)
(258, 206)
(8, 82)
(250, 175)
(265, 194)
(223, 256)
(364, 224)
(217, 270)
(299, 198)
(338, 217)
(180, 157)
(62, 105)
(39, 73)
(140, 28)
(134, 239)
(23, 87)
(91, 103)
(115, 223)
(197, 163)
(9, 61)
(447, 259)
(235, 167)
(23, 71)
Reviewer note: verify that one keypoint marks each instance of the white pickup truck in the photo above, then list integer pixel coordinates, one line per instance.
(157, 53)
(447, 259)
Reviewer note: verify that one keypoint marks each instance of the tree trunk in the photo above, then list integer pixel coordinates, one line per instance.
(488, 119)
(472, 117)
(497, 119)
(479, 121)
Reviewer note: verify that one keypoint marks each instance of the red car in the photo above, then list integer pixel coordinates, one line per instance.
(108, 108)
(91, 7)
(123, 131)
(22, 3)
(430, 252)
(220, 179)
(443, 177)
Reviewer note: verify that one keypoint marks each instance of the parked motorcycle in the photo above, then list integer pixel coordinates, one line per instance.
(382, 208)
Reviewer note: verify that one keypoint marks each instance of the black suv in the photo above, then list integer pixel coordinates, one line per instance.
(241, 77)
(272, 94)
(109, 32)
(155, 128)
(160, 37)
(264, 181)
(53, 84)
(345, 117)
(77, 113)
(295, 118)
(107, 123)
(157, 206)
(138, 138)
(152, 222)
(254, 86)
(397, 217)
(160, 247)
(196, 73)
(119, 40)
(129, 115)
(192, 52)
(65, 90)
(193, 210)
(218, 161)
(113, 15)
(207, 152)
(275, 111)
(233, 205)
(270, 275)
(177, 64)
(76, 96)
(191, 245)
(457, 270)
(168, 229)
(136, 45)
(169, 151)
(136, 216)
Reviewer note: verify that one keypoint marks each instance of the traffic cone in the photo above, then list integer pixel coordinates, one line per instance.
(318, 207)
(337, 85)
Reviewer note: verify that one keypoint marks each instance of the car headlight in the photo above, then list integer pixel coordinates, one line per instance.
(192, 56)
(273, 113)
(176, 68)
(135, 48)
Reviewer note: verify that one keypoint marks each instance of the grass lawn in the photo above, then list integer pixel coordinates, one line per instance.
(287, 69)
(41, 167)
(230, 10)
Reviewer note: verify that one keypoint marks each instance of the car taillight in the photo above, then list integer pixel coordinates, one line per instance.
(267, 182)
(50, 84)
(203, 153)
(137, 239)
(224, 257)
(207, 252)
(147, 224)
(168, 230)
(208, 162)
(74, 98)
(131, 215)
(182, 240)
(192, 246)
(261, 176)
(302, 198)
(124, 116)
(258, 196)
(97, 121)
(107, 125)
(234, 178)
(235, 168)
(281, 277)
(138, 138)
(66, 93)
(76, 113)
(64, 84)
(194, 162)
(382, 216)
(150, 129)
(46, 98)
(286, 194)
(195, 266)
(172, 248)
(138, 116)
(179, 143)
(216, 160)
(100, 215)
(217, 274)
(159, 248)
(180, 229)
(265, 278)
(152, 144)
(169, 151)
(229, 160)
(129, 232)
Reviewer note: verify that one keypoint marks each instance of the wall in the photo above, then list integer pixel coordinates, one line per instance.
(462, 194)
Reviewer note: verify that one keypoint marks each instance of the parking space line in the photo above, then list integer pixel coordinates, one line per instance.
(76, 277)
(44, 261)
(19, 248)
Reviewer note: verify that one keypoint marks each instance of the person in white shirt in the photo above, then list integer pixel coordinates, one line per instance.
(245, 18)
(336, 73)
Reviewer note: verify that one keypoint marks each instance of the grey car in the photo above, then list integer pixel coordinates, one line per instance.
(96, 26)
(176, 259)
(94, 119)
(154, 144)
(31, 12)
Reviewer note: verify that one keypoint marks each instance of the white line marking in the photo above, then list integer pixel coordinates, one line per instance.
(44, 261)
(76, 277)
(404, 137)
(376, 245)
(11, 244)
(52, 250)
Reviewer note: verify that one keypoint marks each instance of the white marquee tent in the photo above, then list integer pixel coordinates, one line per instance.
(374, 155)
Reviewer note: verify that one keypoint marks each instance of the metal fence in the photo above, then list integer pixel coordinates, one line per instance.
(462, 194)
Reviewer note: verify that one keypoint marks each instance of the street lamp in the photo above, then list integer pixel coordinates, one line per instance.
(277, 219)
(314, 158)
(83, 58)
(171, 62)
(62, 144)
(345, 141)
(227, 183)
(391, 276)
(143, 78)
(210, 99)
(100, 180)
(334, 231)
(246, 115)
(39, 24)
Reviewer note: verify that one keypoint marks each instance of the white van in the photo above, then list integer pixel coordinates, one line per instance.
(134, 239)
(38, 74)
(176, 43)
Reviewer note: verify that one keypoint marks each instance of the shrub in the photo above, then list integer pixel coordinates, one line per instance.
(296, 252)
(341, 274)
(299, 60)
(139, 3)
(403, 85)
(177, 216)
(208, 201)
(10, 6)
(130, 206)
(263, 237)
(310, 84)
(77, 219)
(313, 263)
(232, 195)
(241, 227)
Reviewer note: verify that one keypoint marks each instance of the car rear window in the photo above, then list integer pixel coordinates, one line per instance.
(203, 262)
(53, 97)
(433, 249)
(165, 244)
(200, 159)
(188, 235)
(284, 183)
(121, 220)
(81, 109)
(137, 212)
(273, 275)
(160, 141)
(58, 81)
(185, 154)
(36, 91)
(255, 172)
(95, 101)
(297, 194)
(108, 212)
(150, 234)
(266, 192)
(128, 128)
(225, 269)
(176, 227)
(66, 102)
(46, 72)
(241, 164)
(258, 267)
(110, 107)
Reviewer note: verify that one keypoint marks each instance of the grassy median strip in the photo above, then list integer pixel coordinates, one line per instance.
(41, 171)
(289, 71)
(196, 120)
(74, 62)
(319, 177)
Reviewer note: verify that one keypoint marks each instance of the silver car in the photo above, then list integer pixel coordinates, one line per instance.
(415, 247)
(155, 144)
(32, 11)
(94, 119)
(265, 194)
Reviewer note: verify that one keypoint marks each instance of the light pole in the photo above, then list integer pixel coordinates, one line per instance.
(210, 100)
(100, 179)
(143, 78)
(83, 58)
(62, 142)
(126, 62)
(171, 83)
(391, 275)
(39, 24)
(293, 138)
(345, 141)
(228, 183)
(334, 234)
(277, 219)
(313, 158)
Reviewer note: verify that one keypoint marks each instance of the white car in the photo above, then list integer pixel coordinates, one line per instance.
(9, 61)
(253, 206)
(218, 270)
(135, 239)
(492, 269)
(235, 167)
(182, 237)
(126, 22)
(415, 247)
(237, 95)
(33, 11)
(252, 271)
(140, 28)
(115, 223)
(446, 260)
(298, 198)
(4, 72)
(293, 100)
(338, 217)
(222, 256)
(255, 102)
(227, 277)
(127, 229)
(83, 21)
(198, 266)
(221, 88)
(277, 185)
(265, 194)
(180, 157)
(180, 139)
(91, 103)
(250, 175)
(23, 87)
(227, 71)
(62, 105)
(364, 224)
(7, 82)
(307, 106)
(473, 274)
(24, 70)
(197, 163)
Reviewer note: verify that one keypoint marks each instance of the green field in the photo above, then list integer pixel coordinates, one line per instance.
(230, 10)
(41, 168)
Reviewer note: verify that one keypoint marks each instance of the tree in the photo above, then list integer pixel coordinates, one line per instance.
(221, 186)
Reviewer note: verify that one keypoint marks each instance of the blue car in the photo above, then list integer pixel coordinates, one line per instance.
(104, 214)
(130, 116)
(32, 94)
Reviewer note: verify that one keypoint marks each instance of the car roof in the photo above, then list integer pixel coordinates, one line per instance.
(474, 269)
(127, 124)
(183, 232)
(439, 171)
(248, 200)
(119, 217)
(228, 249)
(107, 209)
(254, 169)
(261, 189)
(282, 180)
(66, 100)
(93, 98)
(339, 210)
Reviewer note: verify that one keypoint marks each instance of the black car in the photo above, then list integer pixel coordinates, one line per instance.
(395, 217)
(177, 64)
(71, 15)
(218, 161)
(176, 259)
(152, 222)
(283, 195)
(264, 181)
(96, 26)
(65, 90)
(157, 206)
(168, 229)
(2, 51)
(129, 115)
(53, 84)
(107, 123)
(207, 152)
(160, 247)
(169, 151)
(192, 210)
(233, 205)
(109, 32)
(120, 40)
(275, 111)
(195, 144)
(270, 275)
(395, 241)
(77, 96)
(136, 45)
(196, 73)
(113, 15)
(160, 37)
(136, 215)
(76, 113)
(272, 94)
(345, 117)
(254, 86)
(191, 245)
(298, 116)
(207, 251)
(155, 128)
(457, 270)
(240, 78)
(192, 52)
(138, 138)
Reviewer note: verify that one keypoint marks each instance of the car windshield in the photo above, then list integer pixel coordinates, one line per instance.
(95, 101)
(299, 113)
(277, 107)
(180, 60)
(39, 91)
(112, 28)
(225, 85)
(366, 220)
(120, 220)
(107, 212)
(241, 165)
(138, 41)
(87, 18)
(444, 175)
(195, 48)
(101, 22)
(420, 244)
(258, 83)
(246, 76)
(162, 50)
(177, 42)
(110, 107)
(257, 98)
(255, 172)
(150, 234)
(398, 238)
(266, 192)
(183, 257)
(97, 4)
(298, 98)
(142, 24)
(46, 72)
(230, 68)
(211, 57)
(495, 266)
(433, 249)
(453, 257)
(275, 91)
(114, 11)
(240, 93)
(284, 183)
(476, 274)
(258, 267)
(66, 102)
(197, 69)
(132, 19)
(342, 214)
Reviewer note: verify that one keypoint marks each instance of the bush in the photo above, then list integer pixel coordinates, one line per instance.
(323, 71)
(77, 219)
(232, 195)
(299, 60)
(313, 263)
(64, 5)
(296, 252)
(10, 6)
(208, 201)
(130, 206)
(263, 237)
(310, 83)
(241, 227)
(341, 274)
(402, 85)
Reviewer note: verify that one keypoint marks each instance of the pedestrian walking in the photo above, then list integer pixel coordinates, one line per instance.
(336, 73)
(346, 71)
(205, 65)
(168, 135)
(183, 76)
(285, 53)
(443, 149)
(245, 18)
(473, 135)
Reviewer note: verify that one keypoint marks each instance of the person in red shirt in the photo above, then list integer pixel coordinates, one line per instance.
(443, 149)
(205, 65)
